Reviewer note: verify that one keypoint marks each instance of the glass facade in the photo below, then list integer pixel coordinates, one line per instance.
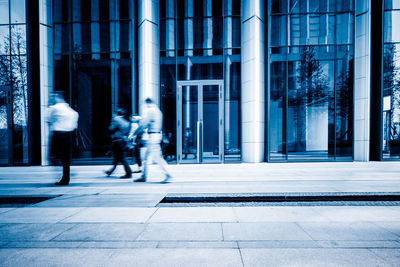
(13, 84)
(93, 65)
(200, 40)
(391, 80)
(310, 55)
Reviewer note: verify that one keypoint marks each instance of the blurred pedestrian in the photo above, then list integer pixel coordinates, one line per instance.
(63, 120)
(136, 142)
(119, 130)
(152, 121)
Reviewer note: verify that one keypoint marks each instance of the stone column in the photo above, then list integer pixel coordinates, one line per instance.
(253, 80)
(149, 47)
(46, 71)
(362, 87)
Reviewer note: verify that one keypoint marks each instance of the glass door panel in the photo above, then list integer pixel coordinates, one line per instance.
(200, 124)
(190, 119)
(210, 123)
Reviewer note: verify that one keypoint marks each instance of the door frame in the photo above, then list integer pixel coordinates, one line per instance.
(200, 135)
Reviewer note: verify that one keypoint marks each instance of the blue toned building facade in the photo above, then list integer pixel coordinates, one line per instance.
(237, 80)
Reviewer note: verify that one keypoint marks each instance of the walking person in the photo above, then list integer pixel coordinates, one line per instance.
(152, 121)
(63, 120)
(137, 142)
(119, 130)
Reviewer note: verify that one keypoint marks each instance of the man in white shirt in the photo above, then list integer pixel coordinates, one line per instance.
(63, 120)
(152, 121)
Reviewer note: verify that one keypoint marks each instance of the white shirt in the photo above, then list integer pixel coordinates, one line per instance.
(152, 119)
(62, 117)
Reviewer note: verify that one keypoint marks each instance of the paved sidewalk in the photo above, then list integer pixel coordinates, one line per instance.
(107, 221)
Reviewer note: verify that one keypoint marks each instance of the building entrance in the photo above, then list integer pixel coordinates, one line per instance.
(200, 121)
(5, 126)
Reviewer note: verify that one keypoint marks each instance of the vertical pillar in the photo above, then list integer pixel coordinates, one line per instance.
(76, 27)
(253, 80)
(149, 47)
(228, 62)
(362, 86)
(114, 51)
(46, 72)
(35, 139)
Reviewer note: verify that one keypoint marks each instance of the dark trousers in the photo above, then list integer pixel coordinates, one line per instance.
(136, 155)
(118, 149)
(61, 151)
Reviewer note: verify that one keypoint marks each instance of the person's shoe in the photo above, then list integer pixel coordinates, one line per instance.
(166, 180)
(140, 179)
(108, 173)
(137, 171)
(126, 176)
(61, 183)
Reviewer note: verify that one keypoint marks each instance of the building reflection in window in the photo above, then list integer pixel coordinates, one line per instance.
(311, 79)
(391, 81)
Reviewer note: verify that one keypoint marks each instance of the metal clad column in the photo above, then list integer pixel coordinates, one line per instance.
(253, 80)
(149, 65)
(362, 85)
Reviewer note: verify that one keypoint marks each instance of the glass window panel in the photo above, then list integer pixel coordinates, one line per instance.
(124, 9)
(17, 11)
(104, 37)
(278, 6)
(104, 9)
(18, 44)
(4, 40)
(278, 111)
(4, 16)
(235, 7)
(5, 63)
(392, 4)
(20, 109)
(344, 28)
(391, 100)
(313, 6)
(86, 40)
(85, 12)
(294, 6)
(217, 8)
(124, 41)
(344, 103)
(392, 26)
(236, 31)
(278, 30)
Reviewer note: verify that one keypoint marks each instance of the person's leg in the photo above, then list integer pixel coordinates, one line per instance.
(128, 171)
(65, 155)
(115, 152)
(147, 158)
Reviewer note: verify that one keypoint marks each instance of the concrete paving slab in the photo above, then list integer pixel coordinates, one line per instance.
(277, 214)
(176, 257)
(2, 210)
(103, 200)
(112, 215)
(32, 231)
(37, 215)
(102, 232)
(263, 231)
(359, 213)
(359, 244)
(393, 227)
(118, 244)
(390, 256)
(346, 231)
(194, 214)
(310, 257)
(42, 244)
(182, 231)
(279, 244)
(54, 257)
(197, 244)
